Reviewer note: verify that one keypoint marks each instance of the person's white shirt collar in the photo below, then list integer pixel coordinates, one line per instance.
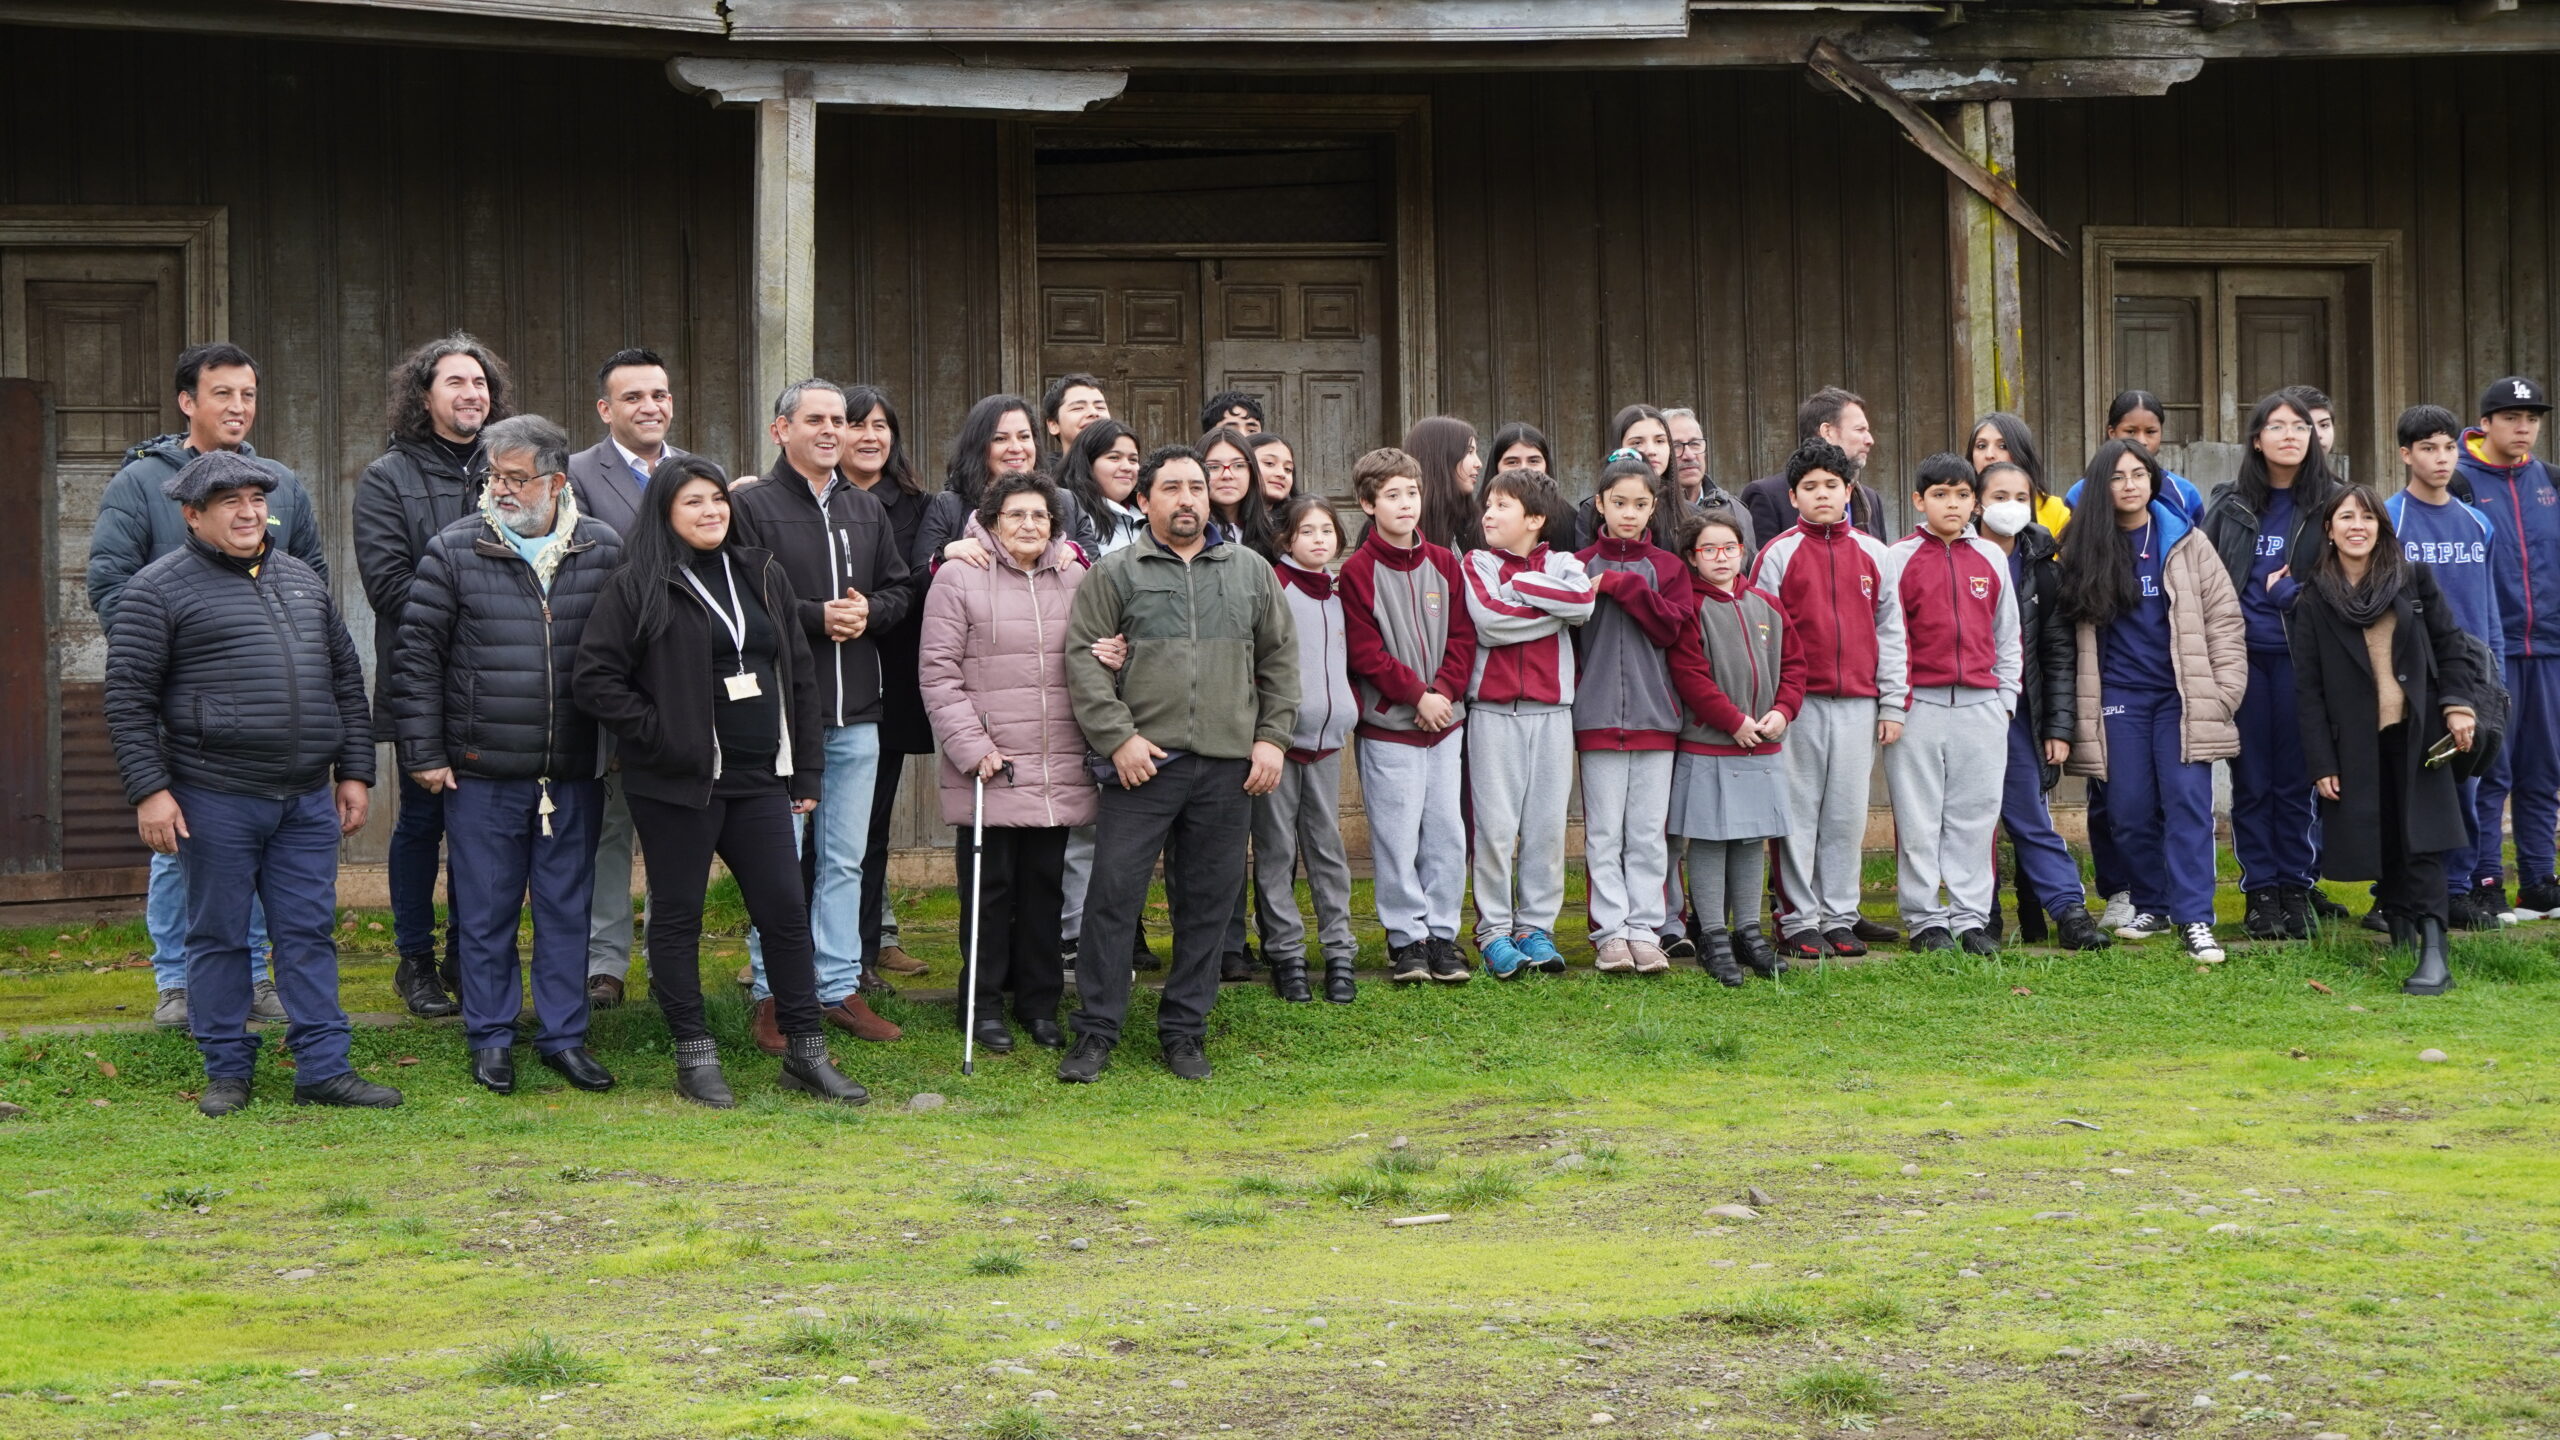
(631, 460)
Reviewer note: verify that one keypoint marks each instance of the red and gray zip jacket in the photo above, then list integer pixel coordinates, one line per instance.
(1830, 579)
(1522, 606)
(1327, 708)
(1738, 655)
(1959, 618)
(1624, 699)
(1404, 614)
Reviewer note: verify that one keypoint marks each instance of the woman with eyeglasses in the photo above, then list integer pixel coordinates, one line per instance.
(2258, 524)
(2385, 692)
(993, 668)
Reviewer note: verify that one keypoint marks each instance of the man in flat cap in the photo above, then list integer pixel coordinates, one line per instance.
(234, 697)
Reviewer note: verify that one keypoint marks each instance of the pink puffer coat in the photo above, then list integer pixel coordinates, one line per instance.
(991, 661)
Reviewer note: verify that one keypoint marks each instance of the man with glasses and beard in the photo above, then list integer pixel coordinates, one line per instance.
(441, 396)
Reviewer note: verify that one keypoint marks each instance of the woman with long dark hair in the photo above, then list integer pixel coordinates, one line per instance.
(1519, 445)
(1236, 510)
(694, 661)
(2385, 696)
(999, 436)
(875, 458)
(1445, 446)
(2140, 416)
(2161, 668)
(1100, 472)
(1275, 465)
(2258, 524)
(2001, 436)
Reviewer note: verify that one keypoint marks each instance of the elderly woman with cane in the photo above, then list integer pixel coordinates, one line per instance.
(992, 666)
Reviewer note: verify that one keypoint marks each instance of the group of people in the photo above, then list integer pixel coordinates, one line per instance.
(1127, 654)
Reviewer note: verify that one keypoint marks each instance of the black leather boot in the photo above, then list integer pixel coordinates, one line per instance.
(698, 1076)
(2434, 974)
(809, 1069)
(1289, 980)
(1716, 957)
(1339, 986)
(419, 987)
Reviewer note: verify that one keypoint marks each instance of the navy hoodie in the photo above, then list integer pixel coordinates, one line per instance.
(2524, 547)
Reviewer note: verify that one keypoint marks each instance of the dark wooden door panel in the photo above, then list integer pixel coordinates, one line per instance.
(1134, 325)
(1302, 335)
(28, 797)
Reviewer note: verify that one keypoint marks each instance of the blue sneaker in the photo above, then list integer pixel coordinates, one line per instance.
(1503, 959)
(1541, 950)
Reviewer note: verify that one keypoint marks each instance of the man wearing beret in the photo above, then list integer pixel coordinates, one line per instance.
(236, 703)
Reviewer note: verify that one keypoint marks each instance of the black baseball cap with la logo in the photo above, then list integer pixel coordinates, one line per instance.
(2513, 393)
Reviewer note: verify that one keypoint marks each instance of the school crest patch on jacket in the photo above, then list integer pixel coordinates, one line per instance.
(1981, 587)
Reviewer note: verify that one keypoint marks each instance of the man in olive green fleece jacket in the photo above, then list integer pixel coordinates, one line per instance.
(1194, 724)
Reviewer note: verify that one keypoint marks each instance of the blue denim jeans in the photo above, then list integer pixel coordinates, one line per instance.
(285, 853)
(164, 916)
(840, 830)
(411, 870)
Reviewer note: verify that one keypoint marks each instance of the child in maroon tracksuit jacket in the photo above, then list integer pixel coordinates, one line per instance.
(1626, 720)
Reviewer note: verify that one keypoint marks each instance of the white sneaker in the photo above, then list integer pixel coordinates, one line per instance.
(2145, 927)
(2201, 945)
(2119, 912)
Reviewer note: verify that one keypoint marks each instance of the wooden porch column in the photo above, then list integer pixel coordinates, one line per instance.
(1982, 257)
(786, 236)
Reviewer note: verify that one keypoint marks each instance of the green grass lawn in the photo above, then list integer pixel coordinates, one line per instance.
(2044, 1195)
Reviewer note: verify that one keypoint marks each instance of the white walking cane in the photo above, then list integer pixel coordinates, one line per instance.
(969, 978)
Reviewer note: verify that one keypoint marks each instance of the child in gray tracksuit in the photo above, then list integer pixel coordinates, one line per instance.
(1300, 820)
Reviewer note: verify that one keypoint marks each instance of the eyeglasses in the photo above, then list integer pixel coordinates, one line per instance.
(1688, 447)
(2286, 427)
(1719, 551)
(1023, 517)
(1231, 467)
(491, 479)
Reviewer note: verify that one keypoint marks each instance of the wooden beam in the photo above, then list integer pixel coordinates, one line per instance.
(902, 84)
(2472, 12)
(1076, 24)
(1982, 263)
(1859, 82)
(699, 16)
(2037, 79)
(786, 238)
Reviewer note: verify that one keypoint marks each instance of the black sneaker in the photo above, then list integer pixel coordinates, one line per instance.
(1802, 945)
(2463, 913)
(2542, 898)
(2326, 910)
(1447, 962)
(2299, 913)
(221, 1097)
(2375, 921)
(1753, 949)
(1933, 938)
(1184, 1057)
(2264, 919)
(1238, 967)
(1874, 932)
(2147, 925)
(2489, 898)
(1978, 942)
(1678, 946)
(1408, 964)
(1847, 942)
(1085, 1063)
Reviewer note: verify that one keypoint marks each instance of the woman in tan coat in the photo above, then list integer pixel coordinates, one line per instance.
(992, 665)
(2163, 664)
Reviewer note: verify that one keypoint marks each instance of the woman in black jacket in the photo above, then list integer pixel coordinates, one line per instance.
(2384, 688)
(692, 660)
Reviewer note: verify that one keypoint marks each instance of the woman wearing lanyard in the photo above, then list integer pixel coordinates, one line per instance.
(716, 710)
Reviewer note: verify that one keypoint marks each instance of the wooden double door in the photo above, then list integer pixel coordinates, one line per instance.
(1301, 334)
(2211, 341)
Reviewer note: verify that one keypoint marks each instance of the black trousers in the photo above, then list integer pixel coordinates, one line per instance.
(753, 834)
(875, 856)
(2412, 884)
(1024, 893)
(1198, 807)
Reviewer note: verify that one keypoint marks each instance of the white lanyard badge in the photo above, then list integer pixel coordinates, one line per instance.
(742, 686)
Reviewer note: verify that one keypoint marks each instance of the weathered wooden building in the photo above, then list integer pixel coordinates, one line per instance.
(1366, 210)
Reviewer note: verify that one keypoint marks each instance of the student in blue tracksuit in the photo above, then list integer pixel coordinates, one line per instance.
(2162, 665)
(2139, 416)
(2515, 491)
(2452, 541)
(2257, 524)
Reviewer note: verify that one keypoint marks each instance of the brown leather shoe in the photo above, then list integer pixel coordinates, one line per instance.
(855, 1017)
(898, 962)
(604, 991)
(764, 1029)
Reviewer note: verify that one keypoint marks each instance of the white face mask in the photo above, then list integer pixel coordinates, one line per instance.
(2006, 517)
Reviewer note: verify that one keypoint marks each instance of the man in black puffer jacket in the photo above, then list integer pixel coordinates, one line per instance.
(442, 394)
(233, 692)
(479, 693)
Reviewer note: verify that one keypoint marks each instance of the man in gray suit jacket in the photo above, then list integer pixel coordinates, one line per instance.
(637, 405)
